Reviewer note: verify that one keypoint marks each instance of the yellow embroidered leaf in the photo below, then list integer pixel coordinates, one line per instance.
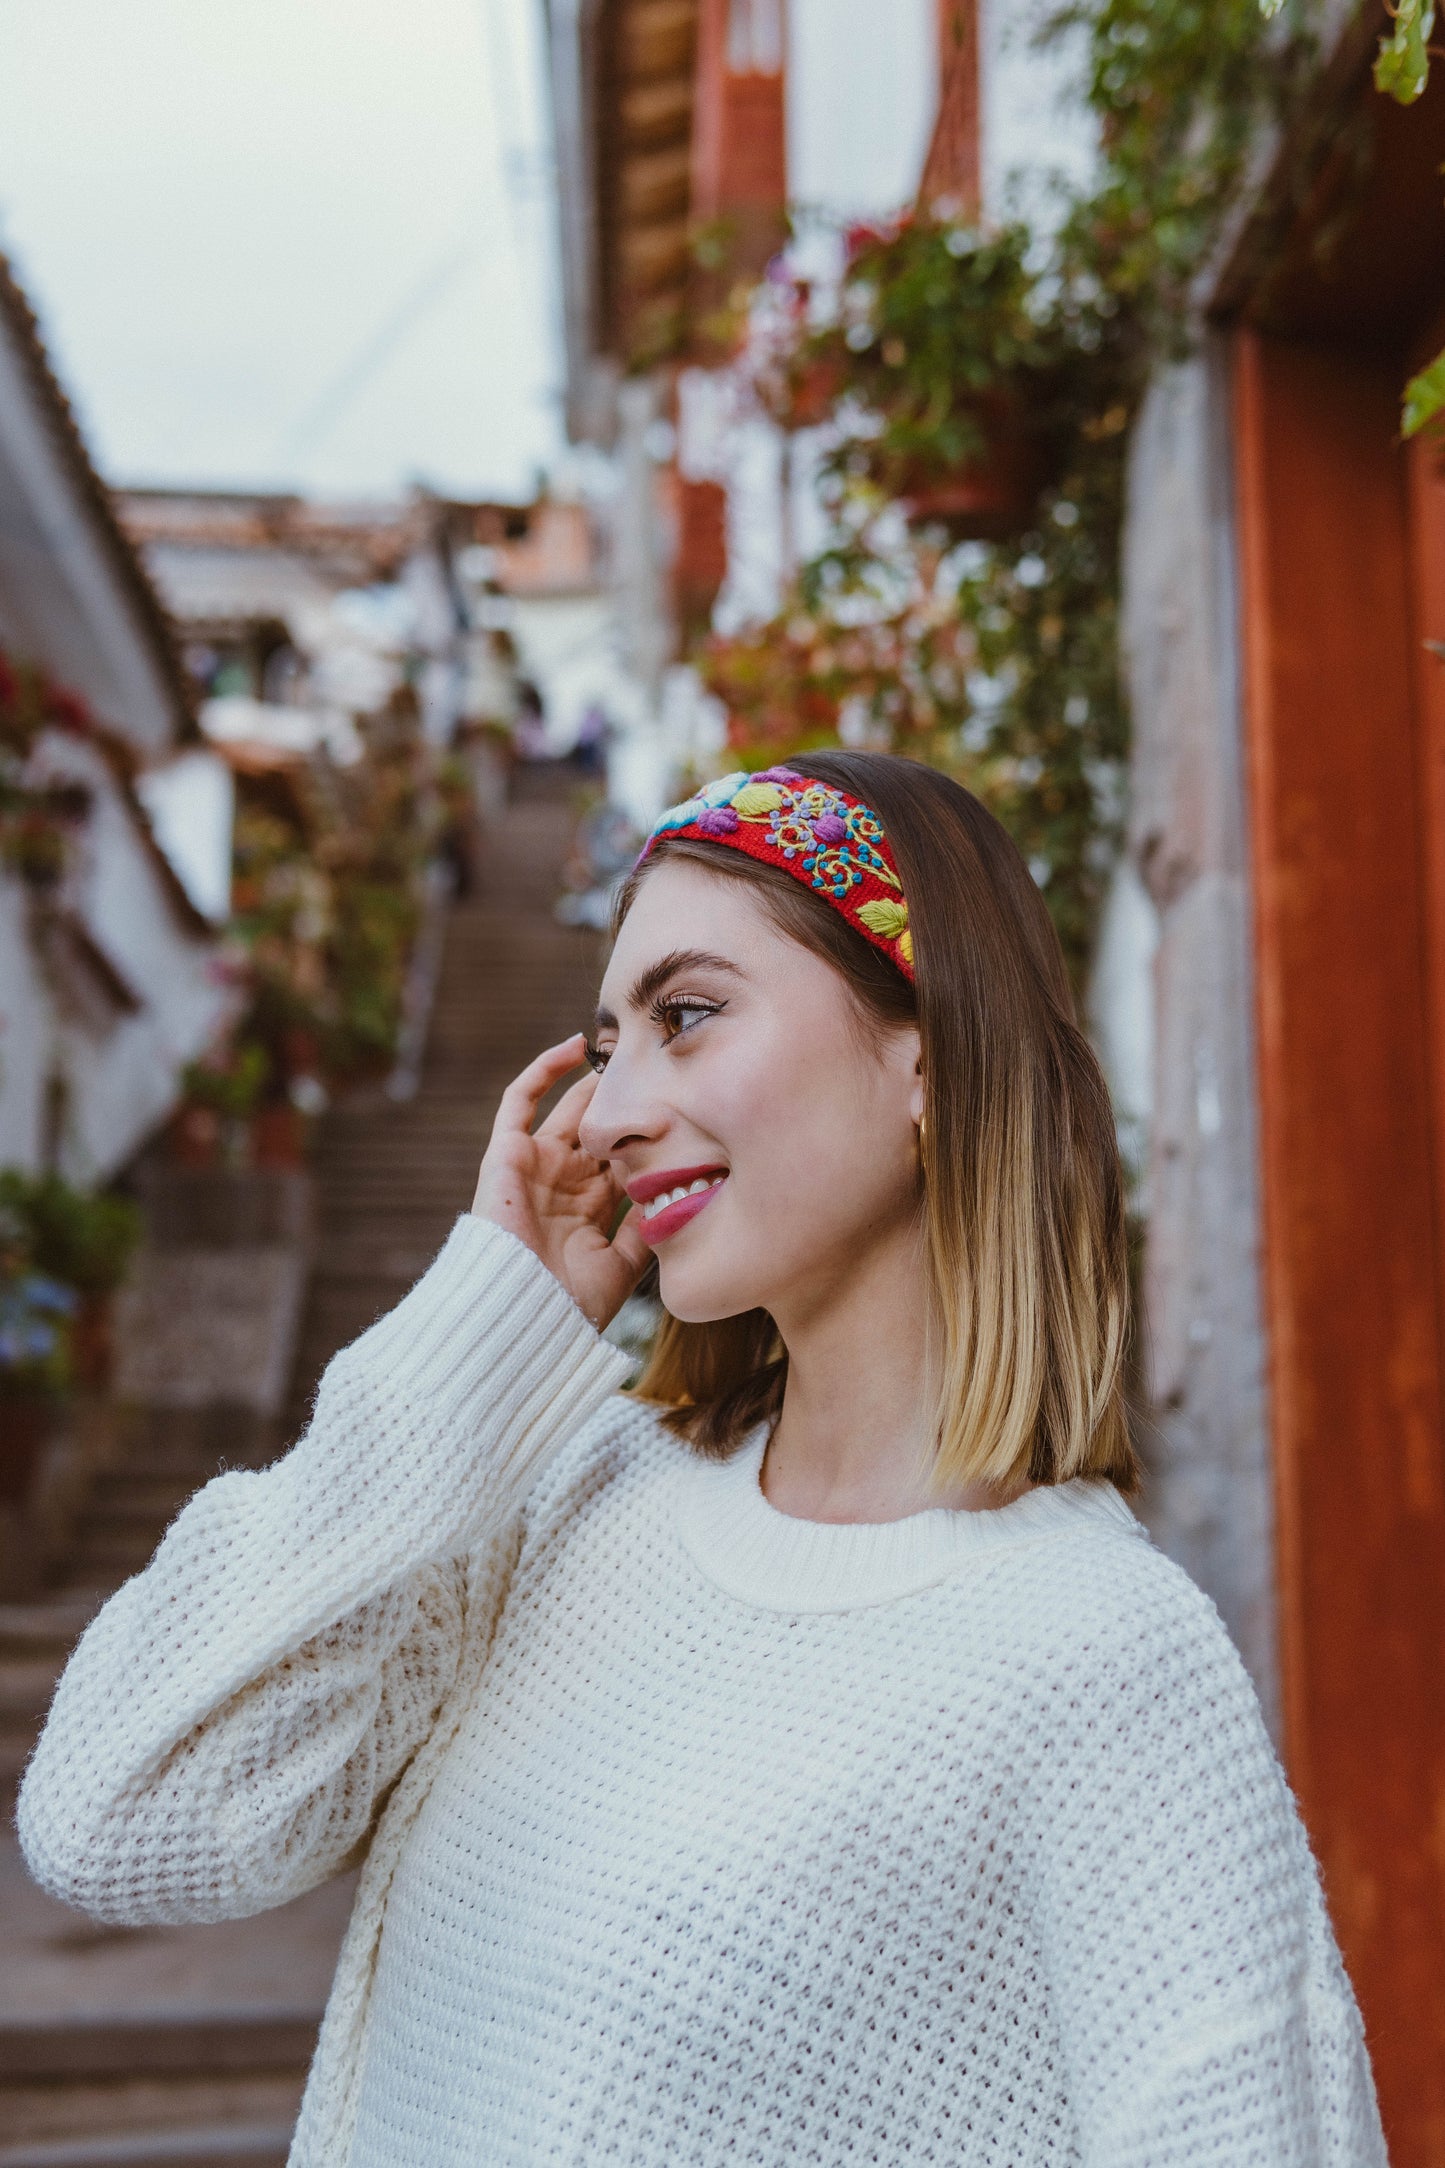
(756, 799)
(884, 918)
(905, 947)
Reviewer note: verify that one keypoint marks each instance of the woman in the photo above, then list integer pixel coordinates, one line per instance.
(804, 1757)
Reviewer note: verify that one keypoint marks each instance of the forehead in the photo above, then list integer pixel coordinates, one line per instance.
(681, 905)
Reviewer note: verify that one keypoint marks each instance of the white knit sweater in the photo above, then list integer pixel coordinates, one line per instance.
(695, 1833)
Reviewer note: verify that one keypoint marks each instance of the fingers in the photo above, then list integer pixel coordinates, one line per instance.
(519, 1102)
(631, 1245)
(565, 1120)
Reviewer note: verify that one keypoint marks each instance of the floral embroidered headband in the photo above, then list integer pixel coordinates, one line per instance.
(825, 838)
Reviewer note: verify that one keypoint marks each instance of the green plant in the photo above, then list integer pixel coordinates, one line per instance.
(228, 1082)
(85, 1238)
(933, 323)
(1402, 72)
(34, 1341)
(40, 817)
(327, 898)
(999, 659)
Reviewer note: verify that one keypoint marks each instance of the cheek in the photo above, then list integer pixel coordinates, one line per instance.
(815, 1129)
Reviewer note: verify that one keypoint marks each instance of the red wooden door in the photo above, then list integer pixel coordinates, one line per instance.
(1348, 853)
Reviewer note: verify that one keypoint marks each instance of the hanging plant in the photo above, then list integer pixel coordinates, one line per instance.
(938, 357)
(979, 383)
(41, 819)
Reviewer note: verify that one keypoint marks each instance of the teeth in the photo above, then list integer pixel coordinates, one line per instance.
(688, 1189)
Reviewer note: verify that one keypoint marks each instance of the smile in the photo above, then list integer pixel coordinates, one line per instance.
(670, 1197)
(674, 1208)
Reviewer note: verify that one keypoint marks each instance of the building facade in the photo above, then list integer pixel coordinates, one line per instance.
(108, 983)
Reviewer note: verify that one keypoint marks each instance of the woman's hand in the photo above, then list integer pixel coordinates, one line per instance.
(555, 1197)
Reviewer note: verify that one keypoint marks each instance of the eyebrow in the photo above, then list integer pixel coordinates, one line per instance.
(651, 981)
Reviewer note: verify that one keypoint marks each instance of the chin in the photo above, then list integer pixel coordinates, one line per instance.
(698, 1297)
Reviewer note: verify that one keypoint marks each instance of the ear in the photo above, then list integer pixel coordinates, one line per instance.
(911, 1059)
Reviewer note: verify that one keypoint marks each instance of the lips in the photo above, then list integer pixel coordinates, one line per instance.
(666, 1219)
(643, 1188)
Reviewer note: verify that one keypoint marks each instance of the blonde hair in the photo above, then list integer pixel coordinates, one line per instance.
(1023, 1209)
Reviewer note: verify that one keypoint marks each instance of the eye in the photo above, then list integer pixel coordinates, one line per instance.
(676, 1014)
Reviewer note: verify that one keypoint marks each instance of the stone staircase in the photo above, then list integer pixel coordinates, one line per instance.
(188, 2046)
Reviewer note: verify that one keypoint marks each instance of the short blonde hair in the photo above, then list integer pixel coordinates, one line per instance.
(1022, 1196)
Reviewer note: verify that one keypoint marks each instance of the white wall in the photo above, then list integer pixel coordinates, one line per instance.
(62, 604)
(121, 1076)
(25, 1035)
(1035, 124)
(861, 98)
(191, 802)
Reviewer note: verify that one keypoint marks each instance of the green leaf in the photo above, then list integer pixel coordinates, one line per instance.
(1402, 67)
(1424, 397)
(886, 919)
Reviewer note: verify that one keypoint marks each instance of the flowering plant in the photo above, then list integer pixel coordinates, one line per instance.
(40, 818)
(34, 1312)
(936, 336)
(327, 898)
(943, 353)
(84, 1238)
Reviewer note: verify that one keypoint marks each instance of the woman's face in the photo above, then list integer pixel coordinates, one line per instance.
(739, 1069)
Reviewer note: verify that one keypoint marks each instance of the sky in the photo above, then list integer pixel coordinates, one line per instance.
(289, 242)
(311, 243)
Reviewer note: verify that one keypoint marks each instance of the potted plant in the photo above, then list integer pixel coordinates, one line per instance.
(34, 1357)
(939, 371)
(83, 1241)
(221, 1092)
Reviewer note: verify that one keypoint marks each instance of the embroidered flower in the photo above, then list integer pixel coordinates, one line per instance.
(756, 800)
(702, 801)
(837, 842)
(721, 791)
(830, 840)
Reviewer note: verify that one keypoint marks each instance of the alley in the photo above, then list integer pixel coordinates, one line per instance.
(189, 2045)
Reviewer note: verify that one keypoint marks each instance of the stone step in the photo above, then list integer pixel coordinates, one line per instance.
(42, 1629)
(107, 1556)
(135, 2109)
(130, 1494)
(117, 2047)
(26, 1685)
(206, 2145)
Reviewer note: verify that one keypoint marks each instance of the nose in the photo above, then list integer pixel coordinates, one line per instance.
(620, 1112)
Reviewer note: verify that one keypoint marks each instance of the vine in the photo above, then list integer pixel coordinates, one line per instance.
(1402, 72)
(972, 382)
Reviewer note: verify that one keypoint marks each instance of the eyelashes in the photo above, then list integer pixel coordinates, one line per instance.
(665, 1007)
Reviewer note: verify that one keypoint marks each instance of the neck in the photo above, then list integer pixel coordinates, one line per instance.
(854, 1441)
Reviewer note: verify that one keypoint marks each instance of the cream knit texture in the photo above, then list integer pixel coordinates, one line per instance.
(693, 1833)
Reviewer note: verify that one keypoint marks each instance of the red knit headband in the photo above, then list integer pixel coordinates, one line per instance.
(827, 839)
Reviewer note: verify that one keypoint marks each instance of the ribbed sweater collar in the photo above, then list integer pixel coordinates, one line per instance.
(770, 1559)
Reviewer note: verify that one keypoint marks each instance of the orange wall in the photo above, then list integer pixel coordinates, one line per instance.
(1351, 1135)
(739, 150)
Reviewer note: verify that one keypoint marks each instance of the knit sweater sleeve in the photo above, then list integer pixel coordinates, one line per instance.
(234, 1717)
(1201, 2000)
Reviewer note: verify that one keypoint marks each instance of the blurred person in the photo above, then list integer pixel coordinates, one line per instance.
(529, 730)
(803, 1756)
